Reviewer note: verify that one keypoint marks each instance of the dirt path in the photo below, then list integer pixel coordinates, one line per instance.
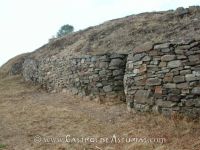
(31, 119)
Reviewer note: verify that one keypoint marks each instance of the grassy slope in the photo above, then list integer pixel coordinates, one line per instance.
(123, 35)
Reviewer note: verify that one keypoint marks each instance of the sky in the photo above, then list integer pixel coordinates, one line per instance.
(25, 25)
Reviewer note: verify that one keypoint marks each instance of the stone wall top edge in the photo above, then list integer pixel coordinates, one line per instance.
(168, 44)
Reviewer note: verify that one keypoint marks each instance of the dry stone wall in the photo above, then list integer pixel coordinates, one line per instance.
(165, 79)
(99, 75)
(53, 73)
(30, 70)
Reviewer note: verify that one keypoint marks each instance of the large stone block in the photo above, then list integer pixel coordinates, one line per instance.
(192, 102)
(170, 85)
(143, 47)
(196, 90)
(184, 72)
(138, 57)
(153, 81)
(168, 57)
(178, 79)
(174, 64)
(194, 58)
(181, 57)
(183, 85)
(191, 77)
(116, 63)
(196, 73)
(143, 97)
(162, 46)
(179, 51)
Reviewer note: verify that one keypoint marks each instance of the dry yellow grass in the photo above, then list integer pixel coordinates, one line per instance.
(27, 111)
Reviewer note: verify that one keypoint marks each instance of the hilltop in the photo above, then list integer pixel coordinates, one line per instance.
(123, 35)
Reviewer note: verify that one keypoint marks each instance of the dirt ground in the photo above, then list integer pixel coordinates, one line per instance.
(31, 119)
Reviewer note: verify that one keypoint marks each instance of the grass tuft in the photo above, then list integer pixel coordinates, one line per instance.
(2, 146)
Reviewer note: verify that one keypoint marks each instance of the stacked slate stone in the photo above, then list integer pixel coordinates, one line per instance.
(49, 72)
(165, 79)
(100, 75)
(30, 70)
(53, 73)
(17, 67)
